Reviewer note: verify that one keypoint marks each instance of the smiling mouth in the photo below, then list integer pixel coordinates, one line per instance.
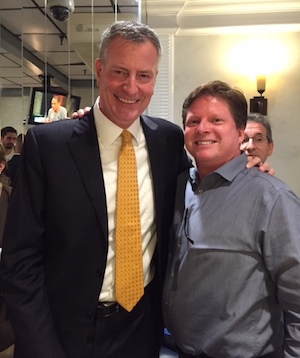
(127, 101)
(205, 142)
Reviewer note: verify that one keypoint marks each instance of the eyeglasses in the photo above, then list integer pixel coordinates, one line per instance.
(256, 139)
(186, 226)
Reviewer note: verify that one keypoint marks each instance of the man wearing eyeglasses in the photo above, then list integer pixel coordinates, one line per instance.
(258, 137)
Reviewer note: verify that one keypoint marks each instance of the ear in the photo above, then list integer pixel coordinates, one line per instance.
(98, 68)
(2, 166)
(241, 133)
(271, 146)
(155, 78)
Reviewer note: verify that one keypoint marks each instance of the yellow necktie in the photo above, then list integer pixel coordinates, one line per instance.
(129, 263)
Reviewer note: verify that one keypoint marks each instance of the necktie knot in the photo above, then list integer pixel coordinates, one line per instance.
(126, 135)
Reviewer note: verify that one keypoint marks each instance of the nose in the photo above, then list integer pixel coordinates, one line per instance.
(130, 85)
(250, 144)
(203, 126)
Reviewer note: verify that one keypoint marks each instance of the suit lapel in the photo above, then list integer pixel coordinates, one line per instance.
(84, 149)
(156, 144)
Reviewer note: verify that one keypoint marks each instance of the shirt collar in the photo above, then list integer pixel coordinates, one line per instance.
(231, 169)
(227, 171)
(108, 132)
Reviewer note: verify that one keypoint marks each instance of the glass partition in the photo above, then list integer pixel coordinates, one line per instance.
(39, 52)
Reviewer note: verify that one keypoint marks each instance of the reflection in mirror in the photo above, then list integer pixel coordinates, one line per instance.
(38, 51)
(11, 71)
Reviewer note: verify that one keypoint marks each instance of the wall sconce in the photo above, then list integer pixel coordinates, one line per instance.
(259, 104)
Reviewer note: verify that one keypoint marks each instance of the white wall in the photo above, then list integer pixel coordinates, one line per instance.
(87, 95)
(13, 111)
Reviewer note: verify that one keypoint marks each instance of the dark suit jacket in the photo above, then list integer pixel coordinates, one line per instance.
(55, 242)
(13, 166)
(4, 199)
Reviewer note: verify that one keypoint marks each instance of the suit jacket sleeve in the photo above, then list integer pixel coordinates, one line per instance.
(168, 159)
(21, 264)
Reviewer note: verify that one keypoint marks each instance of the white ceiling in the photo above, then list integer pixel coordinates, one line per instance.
(28, 31)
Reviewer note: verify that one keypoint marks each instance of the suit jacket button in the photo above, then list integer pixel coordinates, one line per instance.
(89, 315)
(99, 273)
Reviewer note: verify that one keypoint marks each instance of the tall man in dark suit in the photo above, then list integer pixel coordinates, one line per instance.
(58, 263)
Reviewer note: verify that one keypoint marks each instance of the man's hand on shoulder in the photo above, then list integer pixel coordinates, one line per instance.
(80, 113)
(263, 167)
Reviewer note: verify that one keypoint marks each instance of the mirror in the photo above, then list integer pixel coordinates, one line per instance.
(39, 52)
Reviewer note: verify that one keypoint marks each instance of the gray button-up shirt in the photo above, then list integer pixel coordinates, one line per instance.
(233, 281)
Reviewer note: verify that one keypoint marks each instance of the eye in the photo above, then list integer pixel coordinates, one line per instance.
(217, 120)
(144, 77)
(258, 138)
(192, 122)
(117, 73)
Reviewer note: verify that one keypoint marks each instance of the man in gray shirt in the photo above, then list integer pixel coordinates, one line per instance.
(56, 112)
(232, 288)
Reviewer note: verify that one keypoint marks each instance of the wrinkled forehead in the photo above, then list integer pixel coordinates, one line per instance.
(255, 128)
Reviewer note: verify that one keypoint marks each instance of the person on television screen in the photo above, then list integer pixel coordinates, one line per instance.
(56, 112)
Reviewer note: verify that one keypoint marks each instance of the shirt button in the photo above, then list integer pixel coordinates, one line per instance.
(172, 274)
(199, 191)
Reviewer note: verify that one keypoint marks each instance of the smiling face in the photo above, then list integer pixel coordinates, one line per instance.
(211, 135)
(256, 143)
(126, 80)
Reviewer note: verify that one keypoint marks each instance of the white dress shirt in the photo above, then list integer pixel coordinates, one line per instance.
(110, 141)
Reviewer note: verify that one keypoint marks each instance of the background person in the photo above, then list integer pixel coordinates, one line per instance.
(232, 287)
(258, 139)
(8, 139)
(56, 112)
(14, 162)
(59, 268)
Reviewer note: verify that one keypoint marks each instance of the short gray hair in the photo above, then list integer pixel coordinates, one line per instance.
(131, 31)
(259, 118)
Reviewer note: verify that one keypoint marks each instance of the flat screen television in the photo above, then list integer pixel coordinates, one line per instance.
(41, 102)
